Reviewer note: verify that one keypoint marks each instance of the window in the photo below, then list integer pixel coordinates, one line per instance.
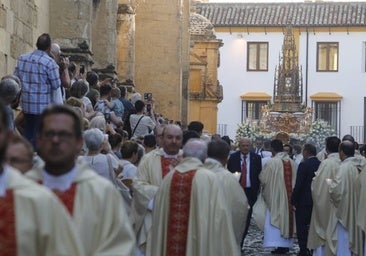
(257, 59)
(253, 109)
(364, 56)
(327, 57)
(327, 111)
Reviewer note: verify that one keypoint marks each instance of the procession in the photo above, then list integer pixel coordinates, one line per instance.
(115, 148)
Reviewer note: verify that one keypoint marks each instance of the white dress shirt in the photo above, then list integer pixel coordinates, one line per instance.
(247, 161)
(3, 181)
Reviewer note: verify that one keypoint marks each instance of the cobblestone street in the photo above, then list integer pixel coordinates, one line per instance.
(253, 244)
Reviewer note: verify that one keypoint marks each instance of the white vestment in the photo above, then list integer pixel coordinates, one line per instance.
(273, 236)
(344, 197)
(42, 225)
(322, 213)
(98, 214)
(236, 205)
(205, 211)
(274, 193)
(145, 185)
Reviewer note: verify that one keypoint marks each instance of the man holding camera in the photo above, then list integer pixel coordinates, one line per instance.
(40, 77)
(141, 123)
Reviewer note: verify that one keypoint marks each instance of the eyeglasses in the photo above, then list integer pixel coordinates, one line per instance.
(62, 135)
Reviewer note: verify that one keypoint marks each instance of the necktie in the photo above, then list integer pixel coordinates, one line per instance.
(243, 179)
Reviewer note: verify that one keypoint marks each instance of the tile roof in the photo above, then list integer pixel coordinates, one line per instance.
(328, 14)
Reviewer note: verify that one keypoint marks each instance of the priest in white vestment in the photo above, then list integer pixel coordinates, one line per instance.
(278, 179)
(153, 168)
(36, 221)
(93, 202)
(361, 197)
(322, 214)
(235, 203)
(187, 207)
(345, 238)
(32, 220)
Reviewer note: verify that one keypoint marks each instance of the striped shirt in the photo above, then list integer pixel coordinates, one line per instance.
(40, 75)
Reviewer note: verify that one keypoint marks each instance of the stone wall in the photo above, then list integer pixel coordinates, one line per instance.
(71, 20)
(161, 54)
(71, 23)
(21, 22)
(104, 32)
(86, 28)
(125, 42)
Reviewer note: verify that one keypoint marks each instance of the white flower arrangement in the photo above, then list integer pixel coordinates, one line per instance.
(318, 131)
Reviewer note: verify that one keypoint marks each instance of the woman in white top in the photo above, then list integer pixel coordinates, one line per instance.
(106, 165)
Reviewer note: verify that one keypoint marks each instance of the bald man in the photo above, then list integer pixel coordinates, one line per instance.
(190, 216)
(249, 165)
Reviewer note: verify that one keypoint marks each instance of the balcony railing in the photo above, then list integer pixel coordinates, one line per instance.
(357, 132)
(222, 129)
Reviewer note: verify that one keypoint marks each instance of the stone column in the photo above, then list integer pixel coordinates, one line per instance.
(104, 32)
(71, 28)
(161, 54)
(125, 43)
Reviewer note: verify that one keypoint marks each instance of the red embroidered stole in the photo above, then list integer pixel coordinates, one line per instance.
(8, 239)
(167, 164)
(179, 205)
(67, 197)
(287, 169)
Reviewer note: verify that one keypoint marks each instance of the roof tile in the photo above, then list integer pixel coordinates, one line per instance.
(328, 14)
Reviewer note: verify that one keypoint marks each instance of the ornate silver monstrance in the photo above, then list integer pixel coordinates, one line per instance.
(287, 114)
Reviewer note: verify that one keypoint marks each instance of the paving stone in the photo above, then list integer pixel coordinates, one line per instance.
(253, 244)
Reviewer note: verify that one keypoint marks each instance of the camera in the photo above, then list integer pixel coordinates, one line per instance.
(148, 108)
(107, 117)
(82, 69)
(148, 96)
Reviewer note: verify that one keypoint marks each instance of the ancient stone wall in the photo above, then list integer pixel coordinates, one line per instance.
(161, 53)
(86, 29)
(104, 32)
(21, 22)
(70, 23)
(125, 42)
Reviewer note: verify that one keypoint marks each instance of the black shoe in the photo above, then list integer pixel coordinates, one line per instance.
(280, 250)
(306, 252)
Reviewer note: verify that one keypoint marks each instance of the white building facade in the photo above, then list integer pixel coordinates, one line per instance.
(331, 43)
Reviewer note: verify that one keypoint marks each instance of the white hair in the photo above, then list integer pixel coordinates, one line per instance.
(195, 148)
(93, 139)
(55, 48)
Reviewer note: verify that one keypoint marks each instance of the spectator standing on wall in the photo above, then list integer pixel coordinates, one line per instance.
(40, 77)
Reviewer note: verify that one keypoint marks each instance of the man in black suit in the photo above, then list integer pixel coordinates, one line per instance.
(301, 196)
(250, 182)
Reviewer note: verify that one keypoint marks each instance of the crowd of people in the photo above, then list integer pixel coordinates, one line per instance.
(86, 171)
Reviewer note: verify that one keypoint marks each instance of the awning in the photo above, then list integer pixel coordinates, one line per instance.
(326, 96)
(256, 96)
